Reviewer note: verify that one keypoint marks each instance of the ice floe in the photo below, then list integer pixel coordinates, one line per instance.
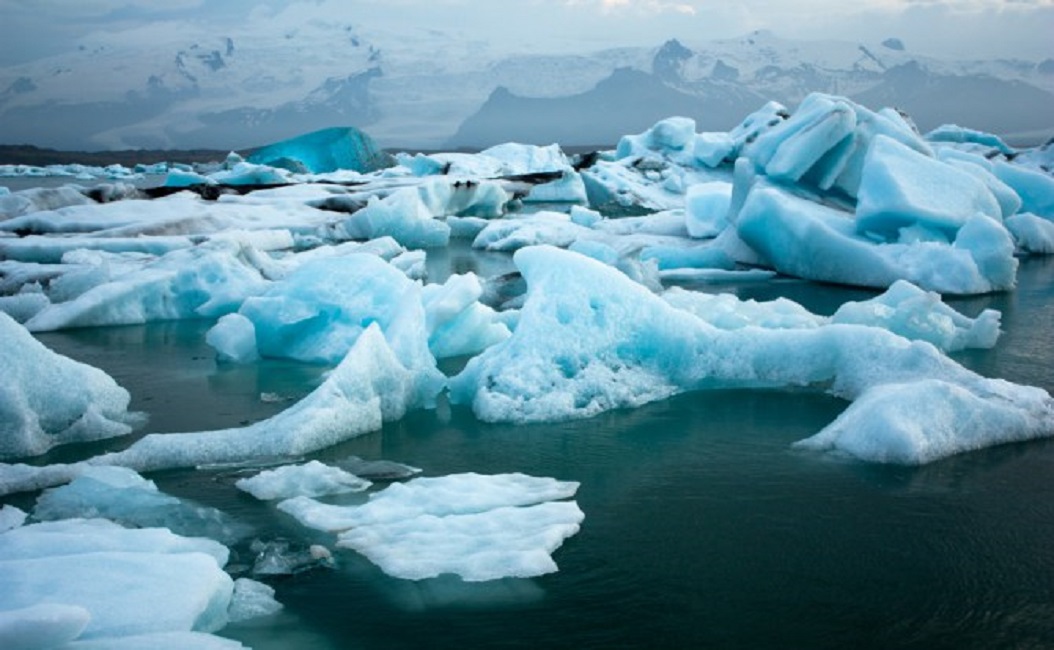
(478, 527)
(92, 580)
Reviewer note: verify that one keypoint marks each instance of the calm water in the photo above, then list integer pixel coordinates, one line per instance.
(703, 529)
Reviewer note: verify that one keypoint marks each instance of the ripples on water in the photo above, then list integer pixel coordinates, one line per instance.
(703, 529)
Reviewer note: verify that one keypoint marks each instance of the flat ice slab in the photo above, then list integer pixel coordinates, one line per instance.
(478, 527)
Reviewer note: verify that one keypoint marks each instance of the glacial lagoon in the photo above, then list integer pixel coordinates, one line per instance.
(703, 528)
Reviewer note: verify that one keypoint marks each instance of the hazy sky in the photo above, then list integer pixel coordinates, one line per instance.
(961, 28)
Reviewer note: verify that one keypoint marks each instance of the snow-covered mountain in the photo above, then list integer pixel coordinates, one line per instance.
(429, 89)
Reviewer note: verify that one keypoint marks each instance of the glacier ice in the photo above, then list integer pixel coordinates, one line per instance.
(327, 150)
(312, 479)
(47, 399)
(369, 386)
(11, 517)
(901, 188)
(111, 581)
(121, 495)
(478, 527)
(43, 625)
(591, 340)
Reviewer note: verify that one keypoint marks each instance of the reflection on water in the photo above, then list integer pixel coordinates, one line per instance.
(703, 528)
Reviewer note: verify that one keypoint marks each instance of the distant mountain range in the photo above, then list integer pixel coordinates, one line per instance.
(231, 91)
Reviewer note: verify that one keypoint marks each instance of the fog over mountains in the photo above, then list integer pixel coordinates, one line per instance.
(424, 89)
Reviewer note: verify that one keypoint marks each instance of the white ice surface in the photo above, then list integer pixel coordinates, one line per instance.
(478, 527)
(47, 399)
(126, 583)
(312, 479)
(369, 387)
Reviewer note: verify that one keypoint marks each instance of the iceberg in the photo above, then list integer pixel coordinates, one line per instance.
(47, 399)
(318, 311)
(809, 240)
(478, 527)
(312, 479)
(326, 150)
(590, 340)
(109, 582)
(205, 281)
(901, 188)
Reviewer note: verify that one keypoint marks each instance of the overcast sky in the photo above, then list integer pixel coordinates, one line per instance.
(961, 28)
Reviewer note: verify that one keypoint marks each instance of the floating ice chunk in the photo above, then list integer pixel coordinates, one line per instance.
(51, 249)
(545, 227)
(516, 158)
(500, 543)
(252, 599)
(458, 324)
(918, 422)
(320, 309)
(121, 495)
(706, 208)
(687, 257)
(440, 496)
(312, 479)
(11, 517)
(128, 588)
(86, 536)
(921, 315)
(622, 188)
(244, 173)
(672, 135)
(788, 150)
(824, 143)
(584, 216)
(369, 387)
(186, 178)
(1031, 233)
(568, 188)
(41, 626)
(234, 339)
(327, 150)
(413, 264)
(479, 527)
(1035, 188)
(713, 149)
(962, 135)
(904, 309)
(47, 399)
(402, 216)
(21, 307)
(901, 187)
(589, 340)
(809, 240)
(206, 281)
(14, 204)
